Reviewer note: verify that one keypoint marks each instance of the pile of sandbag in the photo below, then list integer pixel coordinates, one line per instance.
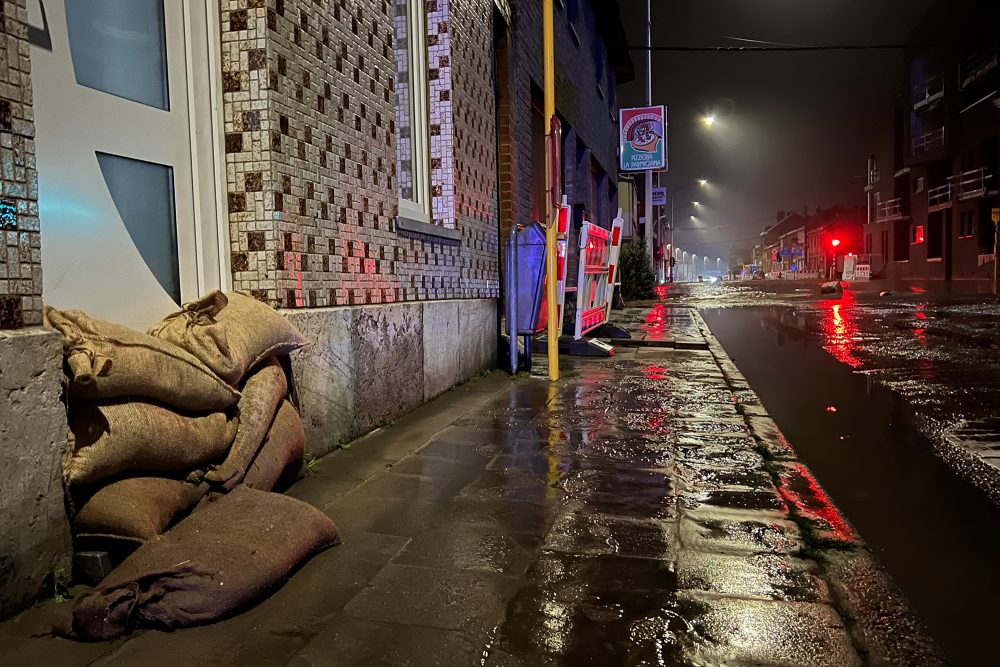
(173, 420)
(218, 561)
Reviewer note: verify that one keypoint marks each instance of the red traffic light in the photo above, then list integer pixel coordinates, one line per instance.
(835, 242)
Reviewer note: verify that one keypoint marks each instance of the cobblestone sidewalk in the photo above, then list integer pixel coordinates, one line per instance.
(643, 510)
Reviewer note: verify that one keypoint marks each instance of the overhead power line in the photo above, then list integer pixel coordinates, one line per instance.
(757, 49)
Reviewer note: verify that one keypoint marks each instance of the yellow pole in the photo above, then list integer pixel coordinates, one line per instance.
(549, 55)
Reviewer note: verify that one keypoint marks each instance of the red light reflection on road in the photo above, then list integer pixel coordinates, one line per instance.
(662, 291)
(801, 489)
(655, 373)
(655, 325)
(839, 327)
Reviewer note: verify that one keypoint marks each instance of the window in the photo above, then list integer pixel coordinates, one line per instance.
(119, 47)
(573, 10)
(573, 14)
(967, 225)
(143, 193)
(600, 59)
(918, 185)
(918, 234)
(412, 111)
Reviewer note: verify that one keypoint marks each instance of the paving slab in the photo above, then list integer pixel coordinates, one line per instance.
(632, 513)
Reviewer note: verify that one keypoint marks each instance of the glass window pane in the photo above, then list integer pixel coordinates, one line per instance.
(404, 102)
(119, 47)
(143, 193)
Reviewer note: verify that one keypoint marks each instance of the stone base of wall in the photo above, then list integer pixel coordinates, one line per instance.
(35, 544)
(368, 365)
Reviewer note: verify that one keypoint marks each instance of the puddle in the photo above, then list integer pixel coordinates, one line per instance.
(937, 536)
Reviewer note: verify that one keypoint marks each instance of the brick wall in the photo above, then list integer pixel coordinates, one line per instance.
(20, 254)
(311, 134)
(590, 119)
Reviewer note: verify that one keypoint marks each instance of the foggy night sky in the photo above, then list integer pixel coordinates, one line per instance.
(794, 129)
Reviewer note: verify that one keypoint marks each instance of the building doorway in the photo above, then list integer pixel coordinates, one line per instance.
(128, 154)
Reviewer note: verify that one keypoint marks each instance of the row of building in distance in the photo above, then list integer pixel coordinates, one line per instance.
(930, 199)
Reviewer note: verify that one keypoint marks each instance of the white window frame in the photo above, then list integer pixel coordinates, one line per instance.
(419, 209)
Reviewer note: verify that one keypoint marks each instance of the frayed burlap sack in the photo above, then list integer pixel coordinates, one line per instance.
(133, 436)
(231, 333)
(110, 361)
(137, 507)
(262, 394)
(218, 561)
(280, 458)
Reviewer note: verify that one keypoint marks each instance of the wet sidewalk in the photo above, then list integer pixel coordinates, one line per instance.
(642, 510)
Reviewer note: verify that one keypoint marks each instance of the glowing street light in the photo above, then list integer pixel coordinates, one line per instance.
(696, 203)
(709, 120)
(702, 182)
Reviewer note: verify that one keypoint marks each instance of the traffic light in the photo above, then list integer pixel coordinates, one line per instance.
(673, 262)
(835, 242)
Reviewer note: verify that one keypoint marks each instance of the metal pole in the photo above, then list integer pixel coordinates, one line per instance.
(670, 230)
(648, 206)
(549, 53)
(512, 299)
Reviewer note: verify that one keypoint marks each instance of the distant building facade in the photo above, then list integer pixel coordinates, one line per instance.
(931, 197)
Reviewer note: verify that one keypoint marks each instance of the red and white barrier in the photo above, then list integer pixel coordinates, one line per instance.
(599, 249)
(617, 226)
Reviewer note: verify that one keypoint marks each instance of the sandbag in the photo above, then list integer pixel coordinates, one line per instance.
(280, 458)
(262, 394)
(218, 561)
(110, 361)
(231, 333)
(134, 436)
(137, 507)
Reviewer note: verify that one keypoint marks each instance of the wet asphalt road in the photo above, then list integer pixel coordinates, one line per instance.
(642, 511)
(861, 386)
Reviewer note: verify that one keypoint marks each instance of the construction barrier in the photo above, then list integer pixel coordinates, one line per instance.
(617, 229)
(599, 250)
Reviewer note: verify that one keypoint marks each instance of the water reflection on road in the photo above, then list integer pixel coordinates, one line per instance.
(824, 369)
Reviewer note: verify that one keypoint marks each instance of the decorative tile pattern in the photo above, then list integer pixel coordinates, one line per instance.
(311, 138)
(20, 250)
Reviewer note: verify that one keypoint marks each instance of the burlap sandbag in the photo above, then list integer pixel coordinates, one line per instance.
(133, 436)
(110, 361)
(218, 561)
(262, 394)
(280, 459)
(231, 333)
(137, 507)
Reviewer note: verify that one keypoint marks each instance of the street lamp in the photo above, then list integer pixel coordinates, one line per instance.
(709, 120)
(701, 182)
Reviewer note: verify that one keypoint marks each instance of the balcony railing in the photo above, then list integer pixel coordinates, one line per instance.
(939, 198)
(975, 66)
(929, 141)
(889, 210)
(927, 93)
(971, 184)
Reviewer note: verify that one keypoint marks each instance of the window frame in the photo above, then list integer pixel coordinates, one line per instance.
(420, 208)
